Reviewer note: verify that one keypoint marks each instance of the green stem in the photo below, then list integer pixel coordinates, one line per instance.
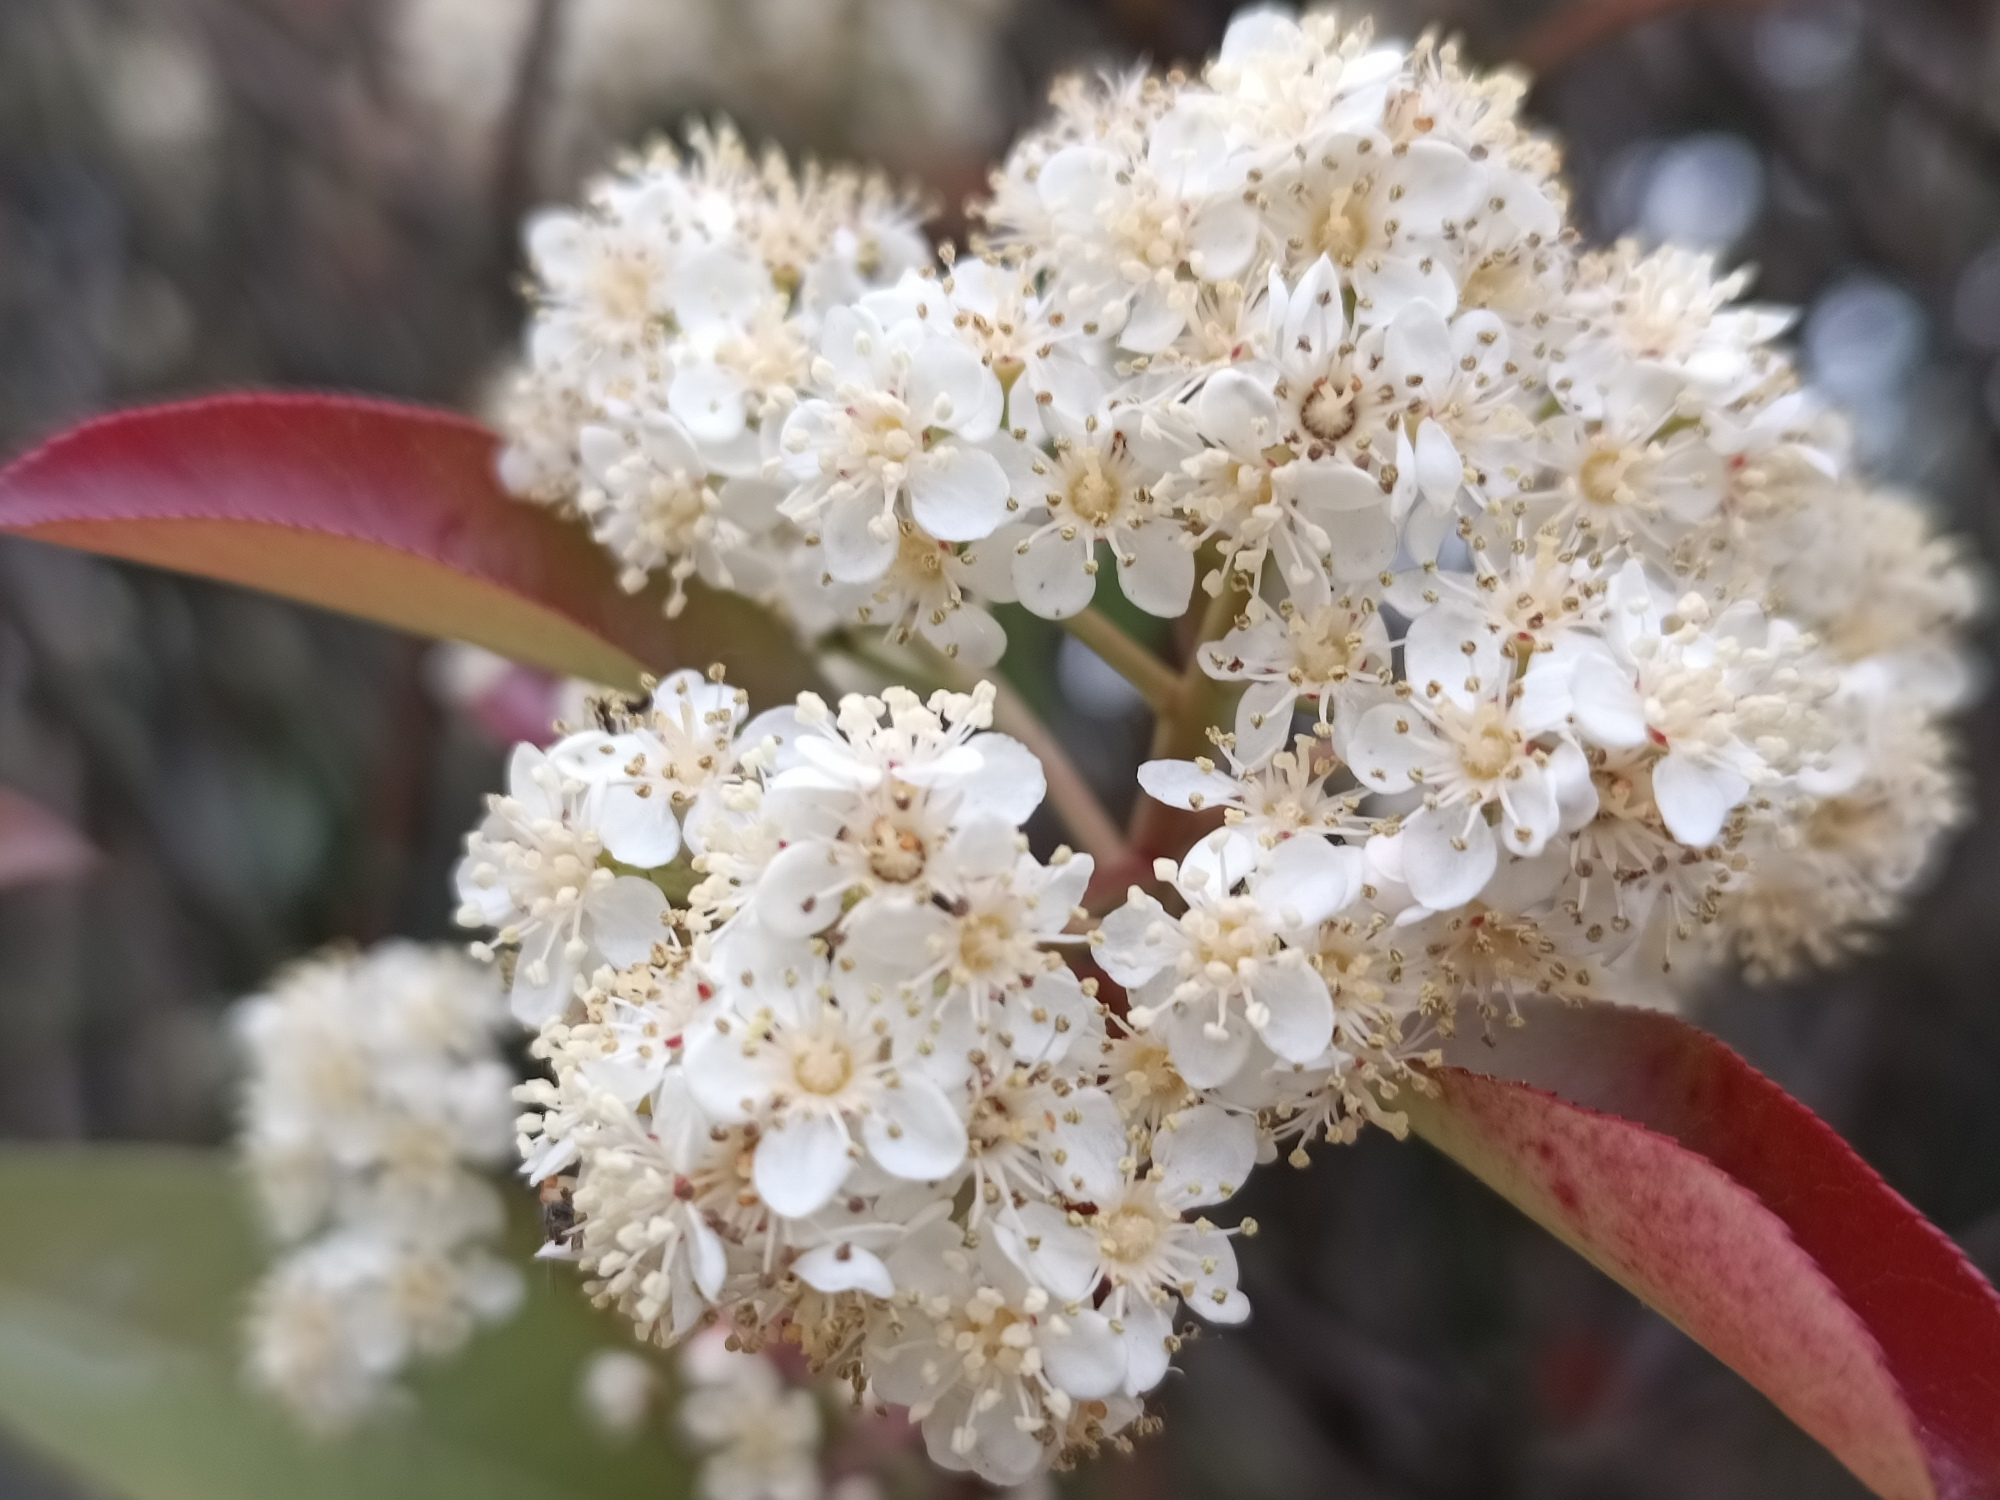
(1183, 734)
(1157, 682)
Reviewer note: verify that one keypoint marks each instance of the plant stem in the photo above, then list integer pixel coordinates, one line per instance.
(1183, 733)
(1157, 682)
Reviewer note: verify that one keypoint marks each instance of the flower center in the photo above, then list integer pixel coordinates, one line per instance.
(1128, 1236)
(1602, 477)
(624, 288)
(1094, 495)
(1342, 230)
(1330, 409)
(822, 1066)
(1324, 648)
(1488, 749)
(895, 853)
(985, 941)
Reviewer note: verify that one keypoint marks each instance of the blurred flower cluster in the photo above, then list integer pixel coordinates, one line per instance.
(374, 1095)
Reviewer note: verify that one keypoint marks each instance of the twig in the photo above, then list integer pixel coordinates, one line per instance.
(1183, 734)
(1562, 38)
(1157, 682)
(514, 158)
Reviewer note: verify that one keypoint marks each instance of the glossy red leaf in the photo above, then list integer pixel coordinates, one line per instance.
(1720, 1200)
(37, 846)
(389, 512)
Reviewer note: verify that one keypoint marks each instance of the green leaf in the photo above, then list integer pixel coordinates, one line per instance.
(122, 1293)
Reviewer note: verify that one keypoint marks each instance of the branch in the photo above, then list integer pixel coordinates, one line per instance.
(1157, 682)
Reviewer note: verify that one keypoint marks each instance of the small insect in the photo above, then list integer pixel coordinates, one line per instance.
(559, 1222)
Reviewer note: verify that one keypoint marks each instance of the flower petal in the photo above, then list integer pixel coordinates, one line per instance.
(1204, 1154)
(958, 493)
(1446, 862)
(914, 1133)
(801, 1162)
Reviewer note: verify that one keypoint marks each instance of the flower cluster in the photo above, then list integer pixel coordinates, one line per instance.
(374, 1095)
(854, 1098)
(759, 1438)
(1553, 645)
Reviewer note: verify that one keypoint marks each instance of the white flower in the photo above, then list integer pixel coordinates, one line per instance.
(375, 1092)
(903, 433)
(1467, 741)
(989, 1364)
(813, 1075)
(890, 812)
(758, 1439)
(1098, 492)
(1138, 1241)
(1334, 653)
(1223, 975)
(532, 870)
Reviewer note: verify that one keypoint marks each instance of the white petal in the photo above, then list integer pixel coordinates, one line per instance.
(1418, 342)
(1391, 741)
(1440, 873)
(1606, 703)
(1155, 321)
(958, 493)
(1050, 575)
(534, 1005)
(1154, 570)
(967, 635)
(1436, 651)
(638, 831)
(1058, 1257)
(1696, 797)
(1532, 813)
(708, 399)
(705, 1257)
(625, 919)
(1183, 784)
(948, 387)
(1139, 940)
(1205, 1154)
(1440, 471)
(1201, 1059)
(1306, 879)
(800, 890)
(1147, 1329)
(801, 1162)
(856, 549)
(1225, 236)
(914, 1133)
(1082, 1355)
(1091, 1144)
(1236, 412)
(1301, 1011)
(844, 1268)
(730, 1080)
(1215, 1295)
(1009, 783)
(1263, 720)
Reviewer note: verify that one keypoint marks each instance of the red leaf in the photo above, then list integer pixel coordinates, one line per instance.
(389, 512)
(1681, 1171)
(36, 845)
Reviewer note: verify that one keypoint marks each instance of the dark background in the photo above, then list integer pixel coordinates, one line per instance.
(201, 194)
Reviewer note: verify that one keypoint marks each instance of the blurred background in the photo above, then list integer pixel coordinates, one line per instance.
(200, 194)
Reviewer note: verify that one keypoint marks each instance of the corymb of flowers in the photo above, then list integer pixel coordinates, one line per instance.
(1544, 643)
